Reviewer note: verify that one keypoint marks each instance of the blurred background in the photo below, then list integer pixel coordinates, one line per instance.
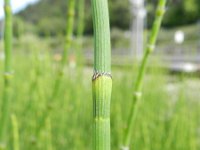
(169, 117)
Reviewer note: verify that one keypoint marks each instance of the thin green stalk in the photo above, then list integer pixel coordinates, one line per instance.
(69, 34)
(81, 15)
(15, 132)
(80, 30)
(140, 77)
(5, 110)
(69, 31)
(49, 134)
(60, 73)
(102, 81)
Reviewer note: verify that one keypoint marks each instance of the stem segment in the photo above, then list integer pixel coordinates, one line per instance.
(140, 77)
(8, 71)
(15, 133)
(80, 31)
(81, 15)
(60, 73)
(102, 81)
(69, 30)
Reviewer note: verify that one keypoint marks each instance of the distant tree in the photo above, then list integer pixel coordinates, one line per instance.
(181, 12)
(48, 16)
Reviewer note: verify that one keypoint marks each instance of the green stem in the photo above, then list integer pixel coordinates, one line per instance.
(81, 14)
(102, 81)
(49, 138)
(140, 77)
(60, 73)
(15, 132)
(8, 70)
(69, 34)
(69, 31)
(80, 30)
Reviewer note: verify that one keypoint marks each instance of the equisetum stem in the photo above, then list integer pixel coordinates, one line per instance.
(81, 14)
(69, 34)
(102, 81)
(5, 110)
(60, 73)
(49, 138)
(139, 80)
(15, 132)
(80, 30)
(69, 30)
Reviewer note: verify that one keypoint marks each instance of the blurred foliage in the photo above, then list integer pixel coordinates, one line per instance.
(48, 17)
(181, 12)
(168, 118)
(18, 27)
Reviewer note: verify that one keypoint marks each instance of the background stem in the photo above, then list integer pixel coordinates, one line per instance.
(60, 71)
(80, 32)
(5, 110)
(140, 77)
(15, 127)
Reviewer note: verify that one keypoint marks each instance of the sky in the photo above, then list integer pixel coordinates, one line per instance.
(16, 5)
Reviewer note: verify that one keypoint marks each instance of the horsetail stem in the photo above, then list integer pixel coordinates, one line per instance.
(69, 30)
(15, 132)
(140, 77)
(8, 70)
(49, 134)
(81, 14)
(102, 81)
(80, 30)
(59, 75)
(69, 33)
(68, 39)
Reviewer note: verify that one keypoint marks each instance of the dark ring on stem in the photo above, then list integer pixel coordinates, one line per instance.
(99, 74)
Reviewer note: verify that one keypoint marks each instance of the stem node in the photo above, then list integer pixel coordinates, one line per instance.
(124, 148)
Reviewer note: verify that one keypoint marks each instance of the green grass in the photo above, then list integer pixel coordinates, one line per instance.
(169, 117)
